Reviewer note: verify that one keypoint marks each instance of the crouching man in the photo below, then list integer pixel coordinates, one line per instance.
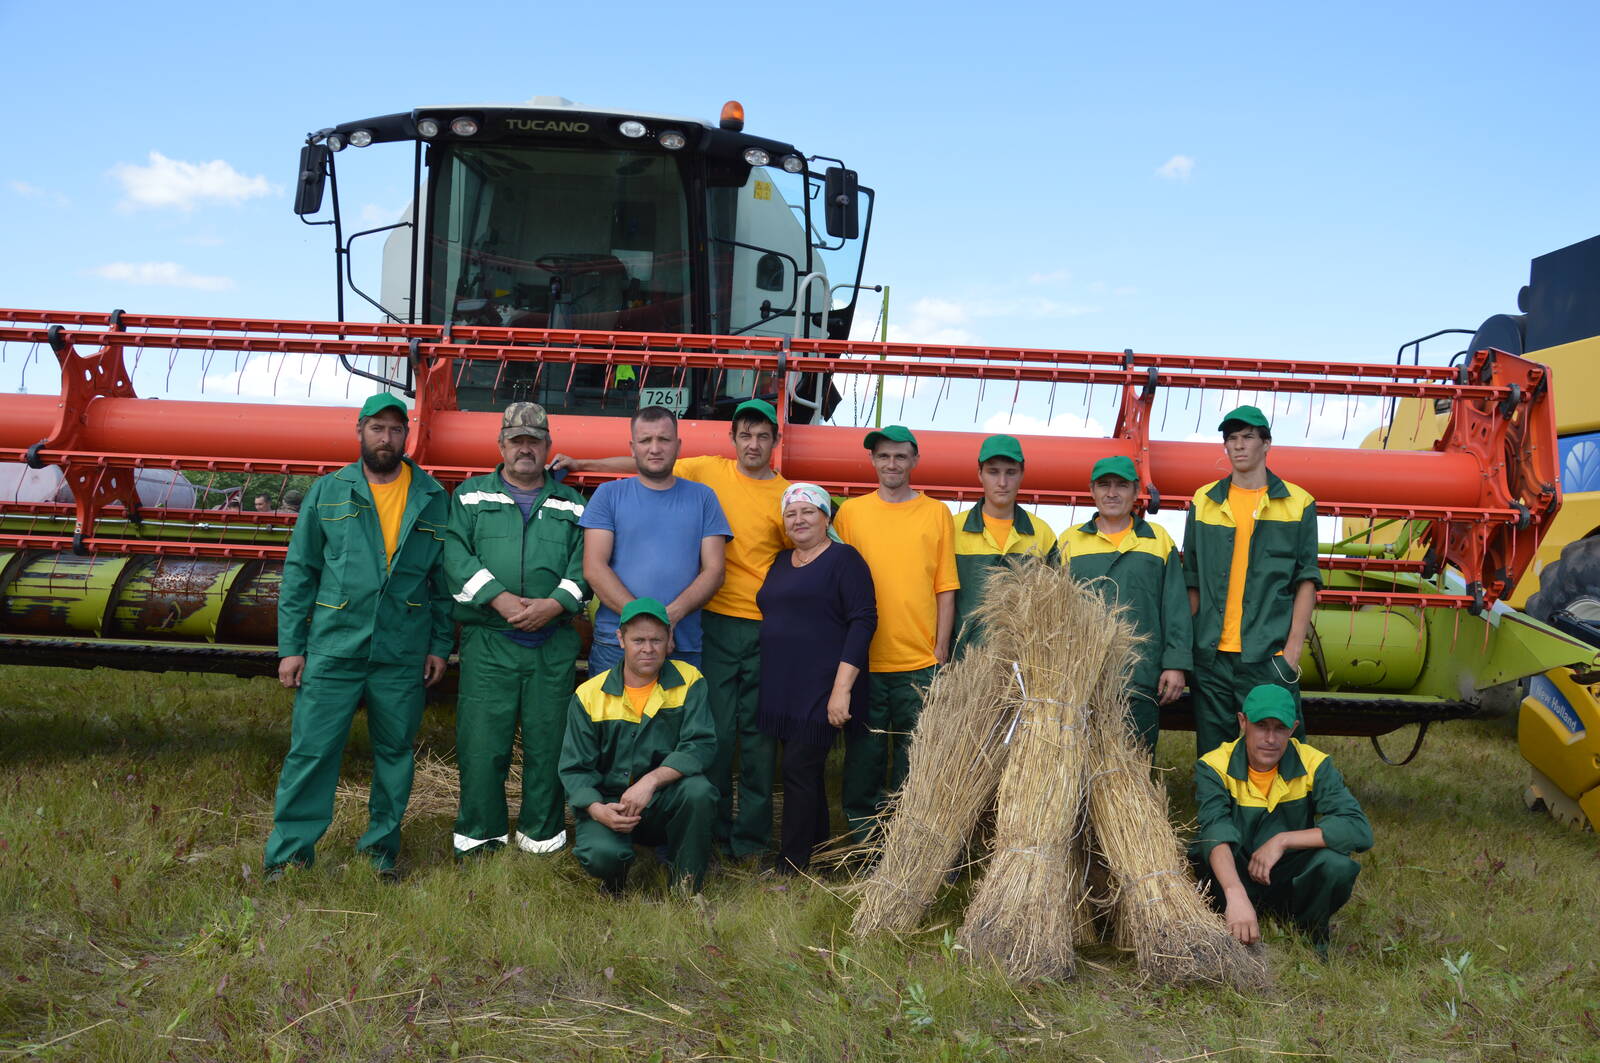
(639, 740)
(1277, 825)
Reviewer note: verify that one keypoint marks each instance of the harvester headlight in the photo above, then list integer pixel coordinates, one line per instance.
(335, 141)
(756, 157)
(631, 128)
(793, 164)
(672, 140)
(428, 127)
(464, 126)
(360, 138)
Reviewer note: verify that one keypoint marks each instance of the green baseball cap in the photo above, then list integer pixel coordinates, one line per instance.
(380, 402)
(893, 433)
(1000, 447)
(1116, 465)
(761, 406)
(1245, 415)
(1270, 702)
(643, 607)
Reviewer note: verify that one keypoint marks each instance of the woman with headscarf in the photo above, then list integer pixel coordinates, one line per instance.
(818, 614)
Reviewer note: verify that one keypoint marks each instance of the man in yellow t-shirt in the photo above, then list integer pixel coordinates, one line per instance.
(908, 542)
(1250, 564)
(750, 493)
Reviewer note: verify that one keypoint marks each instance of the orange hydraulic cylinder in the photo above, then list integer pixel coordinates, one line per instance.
(162, 430)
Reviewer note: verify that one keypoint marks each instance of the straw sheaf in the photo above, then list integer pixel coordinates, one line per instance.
(1031, 905)
(1158, 910)
(955, 759)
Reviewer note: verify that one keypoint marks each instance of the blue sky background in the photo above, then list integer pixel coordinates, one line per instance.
(1265, 179)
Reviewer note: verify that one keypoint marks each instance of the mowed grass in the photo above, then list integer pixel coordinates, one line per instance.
(134, 925)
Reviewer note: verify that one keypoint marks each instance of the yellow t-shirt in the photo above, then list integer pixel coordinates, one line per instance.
(390, 501)
(1116, 537)
(910, 548)
(999, 530)
(1242, 502)
(751, 507)
(639, 697)
(1262, 780)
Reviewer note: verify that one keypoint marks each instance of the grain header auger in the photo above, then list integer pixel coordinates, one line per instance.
(1397, 639)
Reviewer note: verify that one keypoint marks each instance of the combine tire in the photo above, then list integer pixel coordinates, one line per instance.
(1570, 584)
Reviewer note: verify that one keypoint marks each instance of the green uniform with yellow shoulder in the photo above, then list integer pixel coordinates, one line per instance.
(1243, 809)
(1245, 552)
(1139, 568)
(985, 544)
(611, 742)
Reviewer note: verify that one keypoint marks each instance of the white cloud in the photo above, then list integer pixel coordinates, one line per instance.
(29, 191)
(160, 274)
(934, 320)
(939, 321)
(1064, 422)
(1055, 276)
(174, 183)
(1177, 168)
(1338, 421)
(289, 378)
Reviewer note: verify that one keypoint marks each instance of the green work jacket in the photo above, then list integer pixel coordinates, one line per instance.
(1308, 792)
(608, 746)
(978, 557)
(489, 548)
(1283, 553)
(1144, 573)
(341, 595)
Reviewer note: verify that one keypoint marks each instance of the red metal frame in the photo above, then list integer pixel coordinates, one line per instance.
(1488, 490)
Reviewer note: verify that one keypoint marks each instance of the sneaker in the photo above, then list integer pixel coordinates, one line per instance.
(549, 845)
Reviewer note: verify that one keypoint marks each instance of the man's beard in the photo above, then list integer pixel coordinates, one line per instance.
(380, 462)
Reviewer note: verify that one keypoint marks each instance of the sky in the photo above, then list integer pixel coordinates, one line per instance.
(1299, 181)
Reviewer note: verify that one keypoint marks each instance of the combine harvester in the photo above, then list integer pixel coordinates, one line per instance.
(594, 261)
(1558, 723)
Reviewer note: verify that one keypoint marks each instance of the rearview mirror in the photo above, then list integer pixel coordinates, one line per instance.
(842, 213)
(313, 175)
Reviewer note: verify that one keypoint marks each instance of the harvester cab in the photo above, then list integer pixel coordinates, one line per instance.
(552, 215)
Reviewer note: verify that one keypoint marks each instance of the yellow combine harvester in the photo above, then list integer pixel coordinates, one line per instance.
(1558, 726)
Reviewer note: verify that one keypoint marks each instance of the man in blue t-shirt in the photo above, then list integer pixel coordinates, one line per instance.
(653, 536)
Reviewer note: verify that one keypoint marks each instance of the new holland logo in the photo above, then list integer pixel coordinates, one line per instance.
(544, 125)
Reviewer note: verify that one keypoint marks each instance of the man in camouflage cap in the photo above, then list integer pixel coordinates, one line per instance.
(513, 561)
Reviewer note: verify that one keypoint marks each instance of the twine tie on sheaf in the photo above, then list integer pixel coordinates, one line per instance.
(1024, 700)
(1155, 897)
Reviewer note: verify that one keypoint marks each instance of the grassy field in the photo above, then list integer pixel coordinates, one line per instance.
(134, 925)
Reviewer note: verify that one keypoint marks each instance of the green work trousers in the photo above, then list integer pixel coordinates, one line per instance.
(1144, 718)
(331, 688)
(1218, 686)
(894, 701)
(679, 815)
(1307, 887)
(731, 660)
(507, 688)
